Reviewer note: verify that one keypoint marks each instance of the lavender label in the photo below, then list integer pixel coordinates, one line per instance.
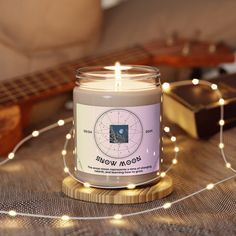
(117, 141)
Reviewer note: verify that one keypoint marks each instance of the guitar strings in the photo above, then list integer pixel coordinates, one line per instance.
(166, 87)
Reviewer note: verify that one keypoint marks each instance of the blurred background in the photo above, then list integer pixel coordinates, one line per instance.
(39, 34)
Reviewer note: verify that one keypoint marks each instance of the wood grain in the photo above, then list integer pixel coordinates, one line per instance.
(76, 190)
(10, 128)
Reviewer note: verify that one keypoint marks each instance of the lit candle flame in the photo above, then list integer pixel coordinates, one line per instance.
(117, 68)
(117, 71)
(117, 75)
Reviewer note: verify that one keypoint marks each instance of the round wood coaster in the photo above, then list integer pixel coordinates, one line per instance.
(76, 190)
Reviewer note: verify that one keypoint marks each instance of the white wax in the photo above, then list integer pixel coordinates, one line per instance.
(123, 93)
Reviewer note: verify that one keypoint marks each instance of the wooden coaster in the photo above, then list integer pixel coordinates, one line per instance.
(76, 190)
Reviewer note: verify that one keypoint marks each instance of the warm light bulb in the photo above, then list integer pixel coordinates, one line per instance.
(12, 213)
(65, 217)
(166, 87)
(221, 145)
(131, 186)
(11, 155)
(174, 161)
(221, 101)
(228, 165)
(173, 138)
(35, 133)
(117, 216)
(68, 136)
(61, 122)
(195, 81)
(63, 152)
(167, 205)
(163, 174)
(87, 185)
(221, 122)
(167, 129)
(210, 186)
(176, 149)
(66, 170)
(214, 86)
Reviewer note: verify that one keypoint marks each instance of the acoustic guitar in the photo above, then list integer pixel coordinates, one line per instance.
(18, 95)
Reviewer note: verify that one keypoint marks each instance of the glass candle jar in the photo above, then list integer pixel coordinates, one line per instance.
(117, 117)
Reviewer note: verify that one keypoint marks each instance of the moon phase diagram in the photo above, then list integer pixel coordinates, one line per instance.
(118, 133)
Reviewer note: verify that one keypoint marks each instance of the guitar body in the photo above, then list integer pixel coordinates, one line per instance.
(10, 128)
(13, 119)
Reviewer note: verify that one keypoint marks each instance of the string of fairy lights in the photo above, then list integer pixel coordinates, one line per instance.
(166, 88)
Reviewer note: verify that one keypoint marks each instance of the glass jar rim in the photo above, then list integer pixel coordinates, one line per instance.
(127, 72)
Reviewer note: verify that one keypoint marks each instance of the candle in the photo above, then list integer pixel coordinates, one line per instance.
(117, 114)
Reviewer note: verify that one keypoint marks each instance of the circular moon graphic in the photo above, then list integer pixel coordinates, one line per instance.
(118, 133)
